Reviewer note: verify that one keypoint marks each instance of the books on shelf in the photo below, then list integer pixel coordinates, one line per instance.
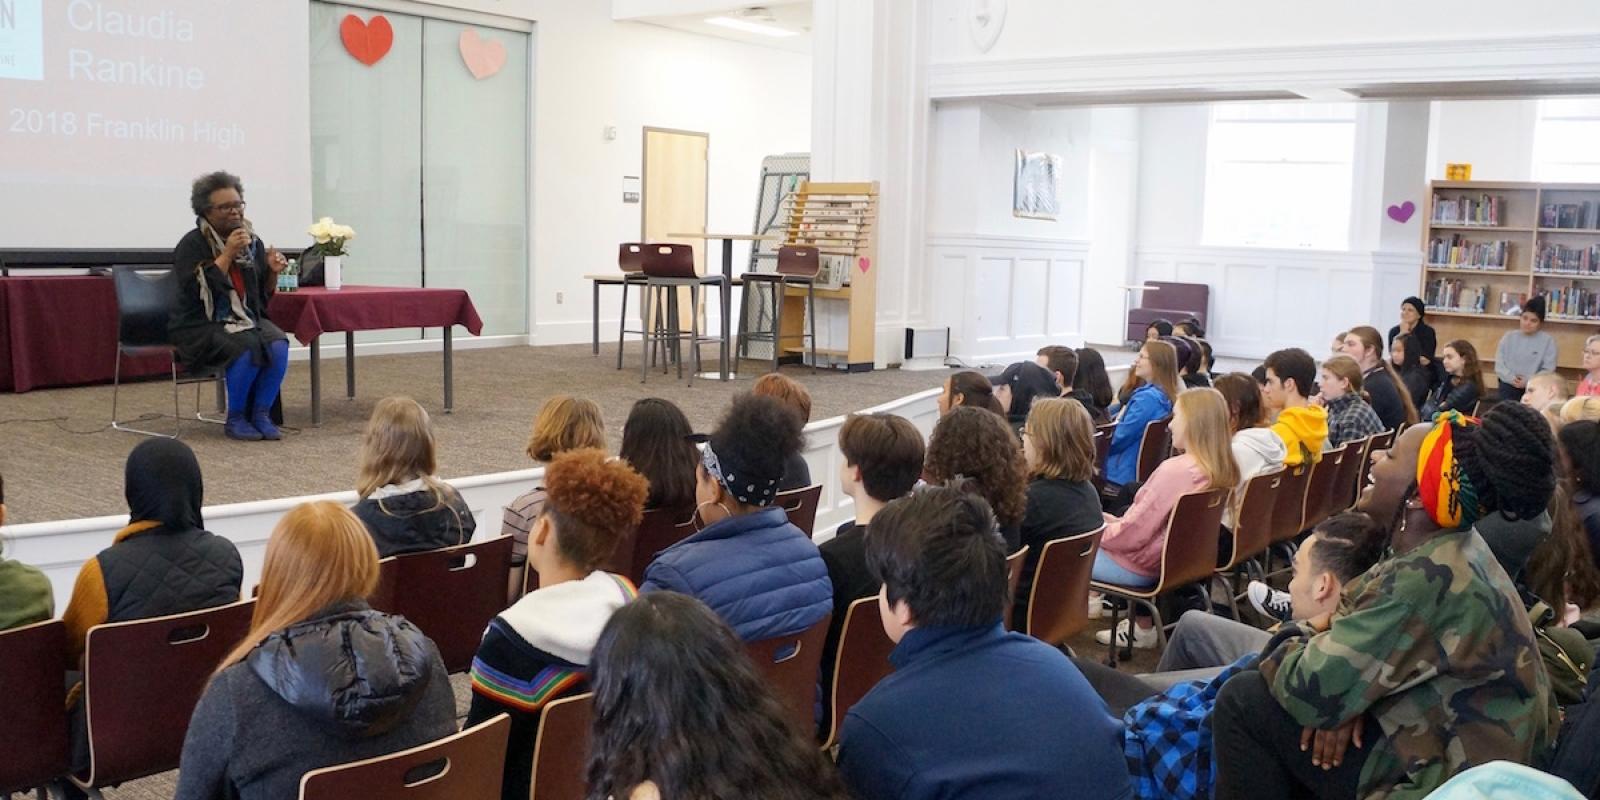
(1485, 209)
(1457, 251)
(1578, 216)
(1454, 295)
(1555, 259)
(1511, 303)
(1572, 302)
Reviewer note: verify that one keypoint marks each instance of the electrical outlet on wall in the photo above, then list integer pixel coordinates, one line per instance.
(561, 297)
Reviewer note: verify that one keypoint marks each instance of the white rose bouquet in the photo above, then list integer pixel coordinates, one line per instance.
(330, 236)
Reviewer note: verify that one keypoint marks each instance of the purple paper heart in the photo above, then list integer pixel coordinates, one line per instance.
(1402, 213)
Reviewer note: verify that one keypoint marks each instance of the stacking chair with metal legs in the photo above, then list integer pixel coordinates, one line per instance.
(630, 260)
(144, 302)
(670, 267)
(797, 266)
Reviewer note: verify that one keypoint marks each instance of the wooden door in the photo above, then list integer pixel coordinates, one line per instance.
(675, 185)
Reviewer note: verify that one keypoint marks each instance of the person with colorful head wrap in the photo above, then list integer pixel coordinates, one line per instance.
(754, 568)
(1429, 667)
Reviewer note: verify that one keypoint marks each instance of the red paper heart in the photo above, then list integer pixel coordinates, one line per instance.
(368, 42)
(864, 264)
(483, 57)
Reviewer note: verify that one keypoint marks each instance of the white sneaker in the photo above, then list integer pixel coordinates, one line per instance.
(1143, 638)
(1269, 602)
(1097, 605)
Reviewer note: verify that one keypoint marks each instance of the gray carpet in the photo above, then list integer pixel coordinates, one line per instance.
(60, 461)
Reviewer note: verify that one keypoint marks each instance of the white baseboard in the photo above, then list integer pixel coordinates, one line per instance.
(333, 346)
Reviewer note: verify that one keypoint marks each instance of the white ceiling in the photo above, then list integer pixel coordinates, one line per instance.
(794, 15)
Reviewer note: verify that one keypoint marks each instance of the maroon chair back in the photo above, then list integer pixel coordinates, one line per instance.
(141, 680)
(792, 665)
(467, 764)
(33, 662)
(1154, 447)
(452, 593)
(660, 529)
(1058, 605)
(669, 261)
(382, 598)
(561, 750)
(1014, 563)
(798, 262)
(1348, 482)
(1252, 521)
(1288, 510)
(860, 662)
(1102, 451)
(630, 257)
(1193, 528)
(801, 506)
(1320, 488)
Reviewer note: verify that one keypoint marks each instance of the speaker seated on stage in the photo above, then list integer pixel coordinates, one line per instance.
(225, 277)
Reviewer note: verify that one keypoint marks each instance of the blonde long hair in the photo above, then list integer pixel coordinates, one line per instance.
(1208, 434)
(1163, 358)
(319, 554)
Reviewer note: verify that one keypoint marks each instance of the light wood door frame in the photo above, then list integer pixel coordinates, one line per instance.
(701, 246)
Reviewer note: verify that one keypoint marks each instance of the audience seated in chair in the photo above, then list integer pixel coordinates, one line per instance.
(1302, 427)
(794, 396)
(25, 593)
(883, 457)
(981, 453)
(563, 423)
(1382, 707)
(968, 389)
(971, 710)
(1019, 386)
(404, 505)
(1524, 352)
(321, 678)
(656, 442)
(538, 649)
(1350, 417)
(1405, 358)
(1091, 386)
(1058, 443)
(1130, 549)
(1256, 449)
(1157, 367)
(759, 572)
(1158, 329)
(1386, 392)
(1463, 383)
(1548, 388)
(680, 711)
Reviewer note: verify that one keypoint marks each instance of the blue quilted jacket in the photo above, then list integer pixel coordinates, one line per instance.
(1147, 404)
(761, 574)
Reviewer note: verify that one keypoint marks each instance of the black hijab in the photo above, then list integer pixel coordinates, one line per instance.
(162, 484)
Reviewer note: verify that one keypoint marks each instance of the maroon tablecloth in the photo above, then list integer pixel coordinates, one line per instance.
(315, 310)
(62, 331)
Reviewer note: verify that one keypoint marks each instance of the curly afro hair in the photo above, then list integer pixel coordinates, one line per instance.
(978, 446)
(594, 501)
(759, 433)
(1510, 459)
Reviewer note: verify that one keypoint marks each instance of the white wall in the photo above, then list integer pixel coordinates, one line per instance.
(1494, 136)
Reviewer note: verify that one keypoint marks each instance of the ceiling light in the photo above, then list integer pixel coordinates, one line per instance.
(750, 27)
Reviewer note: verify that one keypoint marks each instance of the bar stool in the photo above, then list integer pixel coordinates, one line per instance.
(797, 266)
(630, 260)
(668, 267)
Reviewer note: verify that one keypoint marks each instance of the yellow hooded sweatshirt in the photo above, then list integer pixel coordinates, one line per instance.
(1303, 430)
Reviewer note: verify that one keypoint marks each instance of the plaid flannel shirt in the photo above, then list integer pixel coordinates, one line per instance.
(1167, 739)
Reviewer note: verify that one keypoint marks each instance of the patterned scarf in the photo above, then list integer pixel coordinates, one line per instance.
(238, 319)
(1443, 487)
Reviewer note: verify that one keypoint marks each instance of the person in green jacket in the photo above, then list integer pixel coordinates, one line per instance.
(1429, 666)
(25, 595)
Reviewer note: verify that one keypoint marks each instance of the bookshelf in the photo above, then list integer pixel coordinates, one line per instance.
(1490, 245)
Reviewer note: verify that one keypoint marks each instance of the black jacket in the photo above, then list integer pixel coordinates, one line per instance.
(1097, 413)
(1384, 397)
(416, 522)
(1057, 508)
(203, 342)
(349, 683)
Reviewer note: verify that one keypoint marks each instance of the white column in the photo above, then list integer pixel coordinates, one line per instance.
(1113, 222)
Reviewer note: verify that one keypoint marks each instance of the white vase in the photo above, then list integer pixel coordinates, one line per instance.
(331, 272)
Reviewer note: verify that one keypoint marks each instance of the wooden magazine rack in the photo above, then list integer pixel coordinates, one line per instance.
(840, 220)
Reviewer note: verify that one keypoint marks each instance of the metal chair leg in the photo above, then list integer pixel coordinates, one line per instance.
(694, 331)
(777, 322)
(677, 330)
(811, 310)
(649, 339)
(622, 323)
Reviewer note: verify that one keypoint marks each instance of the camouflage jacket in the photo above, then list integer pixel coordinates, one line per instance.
(1435, 645)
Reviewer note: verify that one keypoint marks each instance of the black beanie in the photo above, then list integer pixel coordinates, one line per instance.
(1416, 303)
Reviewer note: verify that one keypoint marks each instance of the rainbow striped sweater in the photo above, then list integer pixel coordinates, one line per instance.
(537, 651)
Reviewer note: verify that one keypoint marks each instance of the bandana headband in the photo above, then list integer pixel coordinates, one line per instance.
(1443, 487)
(749, 490)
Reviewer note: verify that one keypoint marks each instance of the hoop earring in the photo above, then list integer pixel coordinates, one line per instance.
(699, 520)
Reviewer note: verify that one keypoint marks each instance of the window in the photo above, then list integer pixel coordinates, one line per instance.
(1566, 141)
(1280, 175)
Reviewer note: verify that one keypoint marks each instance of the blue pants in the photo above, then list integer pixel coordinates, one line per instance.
(1107, 570)
(255, 386)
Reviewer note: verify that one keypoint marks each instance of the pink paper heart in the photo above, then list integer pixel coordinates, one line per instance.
(483, 57)
(863, 264)
(1402, 213)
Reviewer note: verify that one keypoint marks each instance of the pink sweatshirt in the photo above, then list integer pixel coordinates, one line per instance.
(1135, 539)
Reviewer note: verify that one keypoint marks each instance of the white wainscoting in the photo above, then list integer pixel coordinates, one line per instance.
(1004, 297)
(1267, 299)
(60, 548)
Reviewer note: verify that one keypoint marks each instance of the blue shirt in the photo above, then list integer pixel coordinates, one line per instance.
(982, 713)
(1147, 404)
